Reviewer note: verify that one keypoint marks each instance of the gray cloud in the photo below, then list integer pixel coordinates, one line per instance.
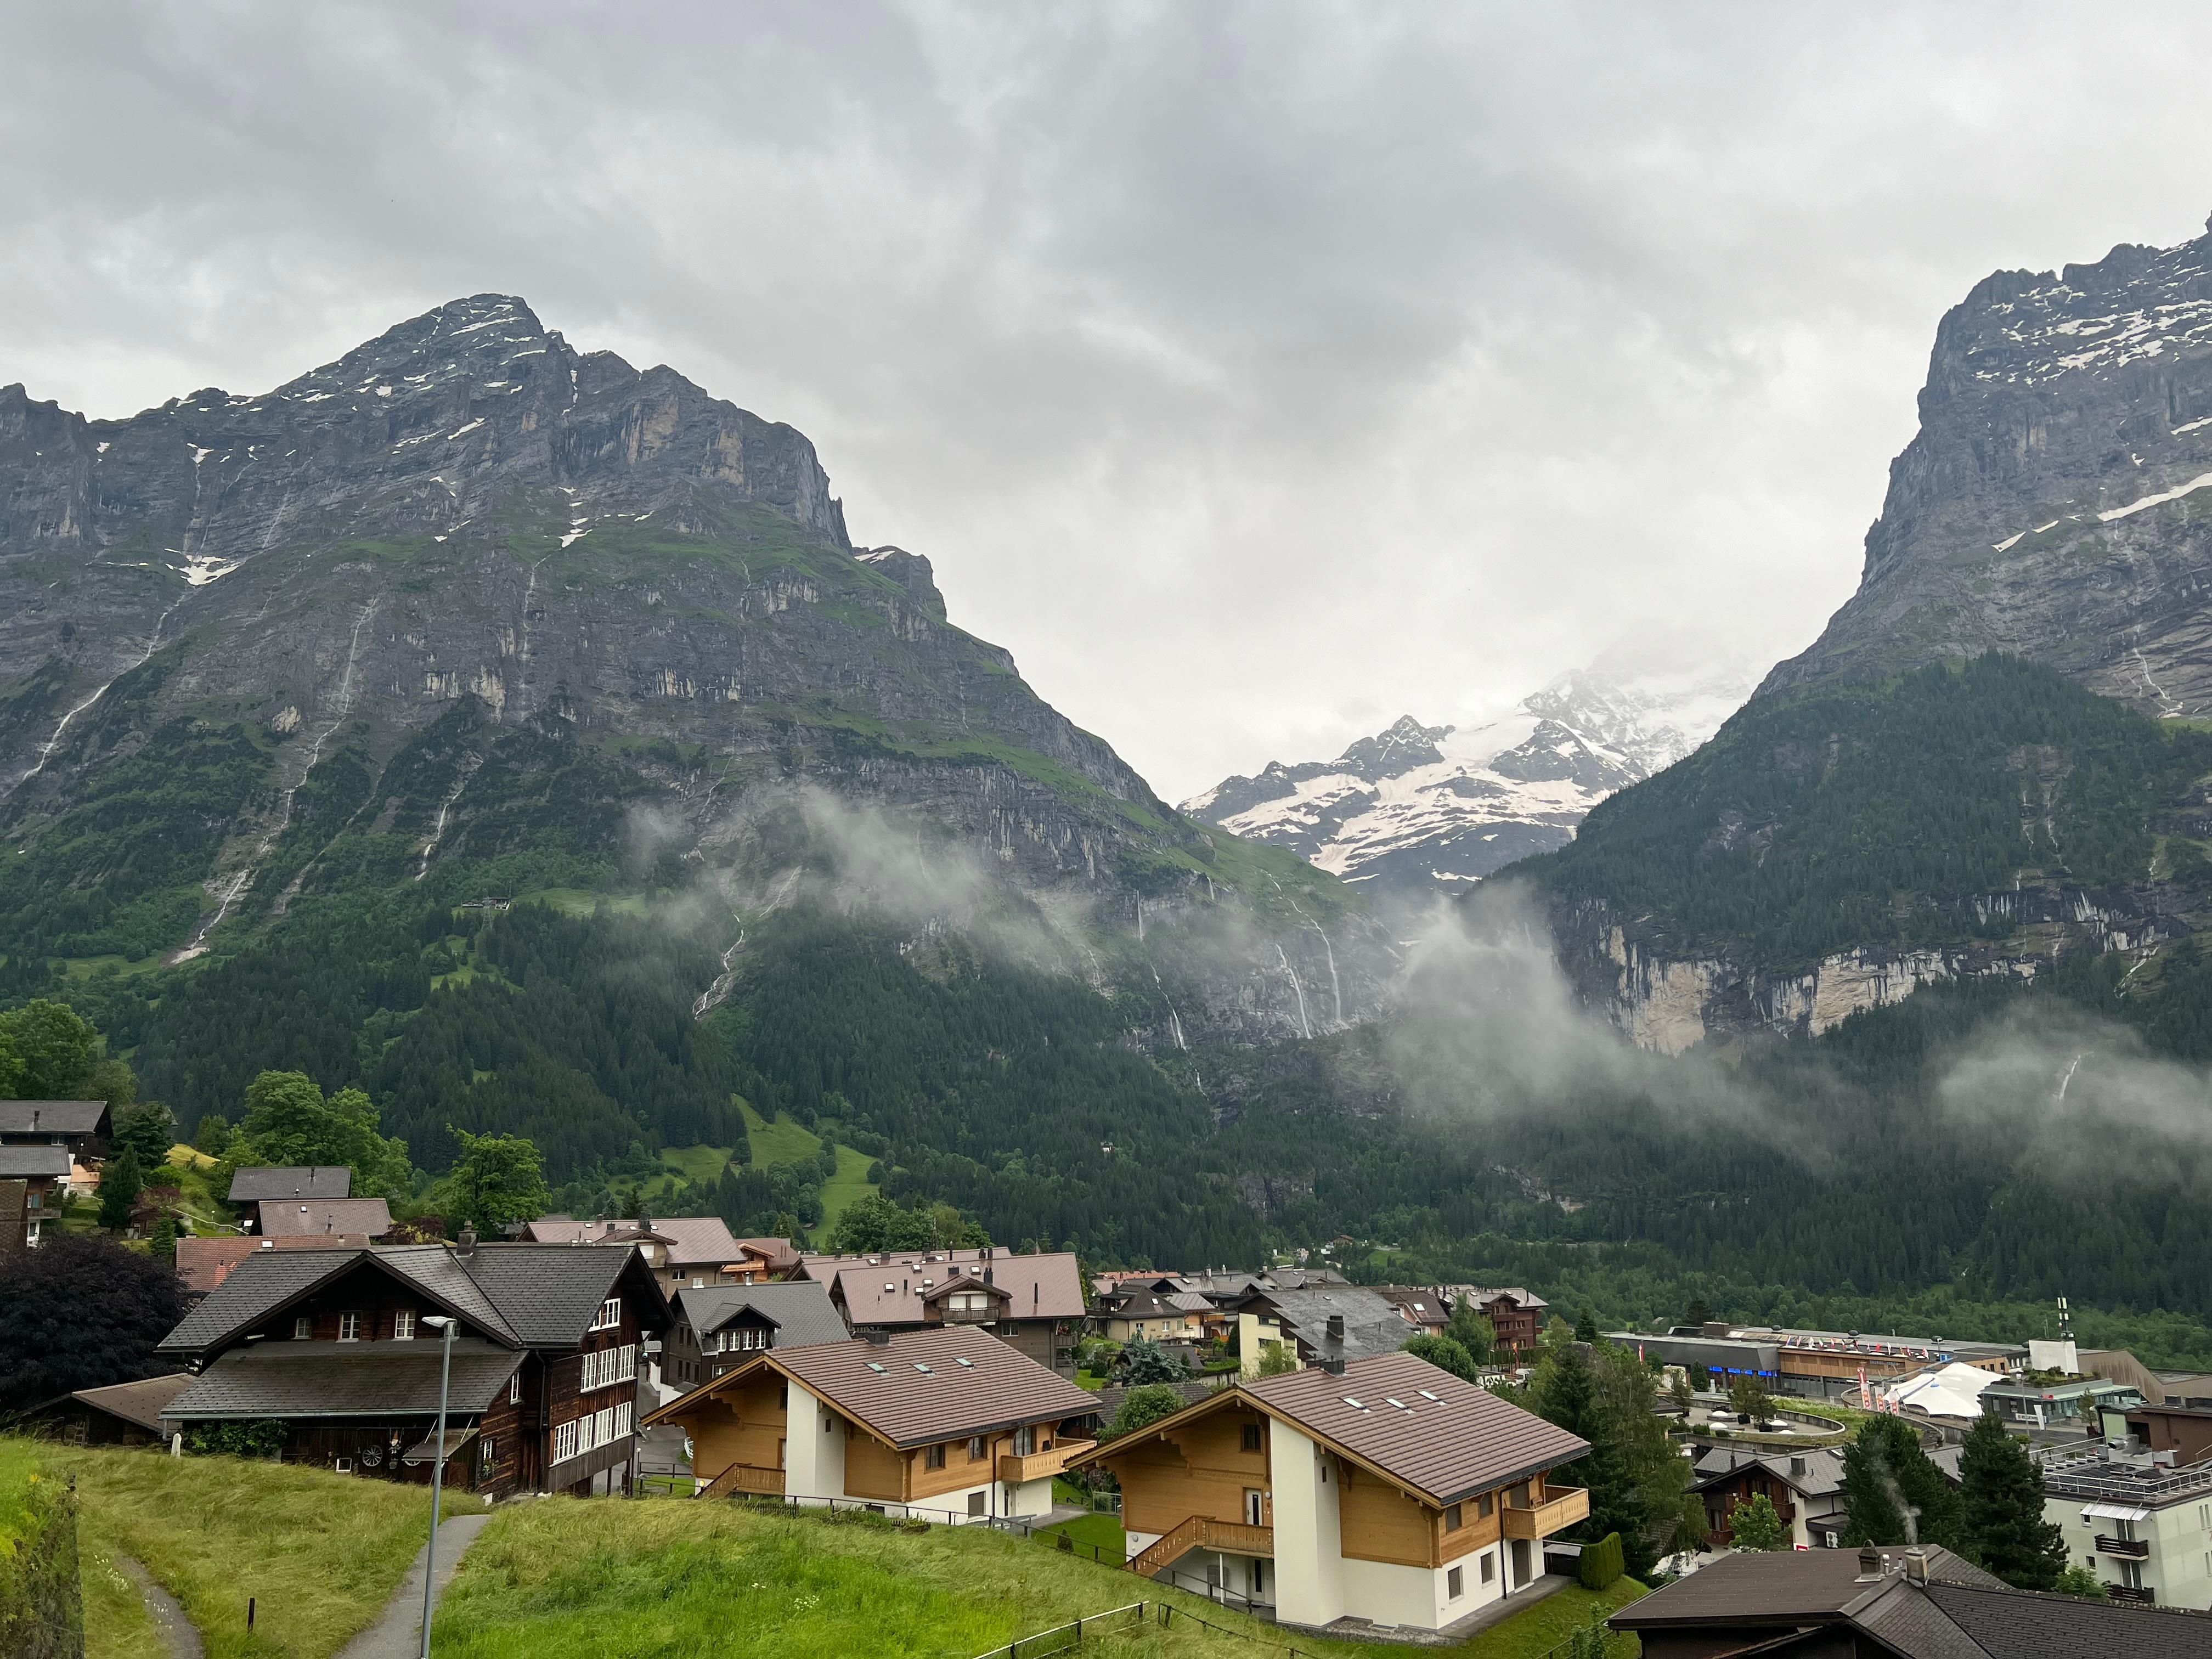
(1256, 372)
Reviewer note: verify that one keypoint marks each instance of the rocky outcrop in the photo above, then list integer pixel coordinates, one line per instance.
(1670, 1003)
(2056, 501)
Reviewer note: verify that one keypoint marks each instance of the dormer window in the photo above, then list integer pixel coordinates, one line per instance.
(349, 1327)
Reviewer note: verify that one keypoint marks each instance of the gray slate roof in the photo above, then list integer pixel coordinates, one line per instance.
(800, 1309)
(530, 1295)
(51, 1117)
(34, 1163)
(1371, 1325)
(549, 1292)
(260, 1183)
(345, 1379)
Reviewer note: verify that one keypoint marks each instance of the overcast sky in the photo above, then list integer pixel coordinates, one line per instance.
(1256, 374)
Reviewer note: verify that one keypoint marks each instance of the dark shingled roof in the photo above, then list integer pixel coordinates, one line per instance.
(1372, 1325)
(345, 1379)
(800, 1309)
(258, 1287)
(880, 1384)
(53, 1117)
(262, 1183)
(533, 1295)
(35, 1162)
(549, 1292)
(1466, 1440)
(1961, 1613)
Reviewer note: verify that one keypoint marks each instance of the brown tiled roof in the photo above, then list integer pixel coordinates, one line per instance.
(369, 1217)
(884, 1386)
(139, 1402)
(1464, 1439)
(779, 1256)
(692, 1240)
(890, 1289)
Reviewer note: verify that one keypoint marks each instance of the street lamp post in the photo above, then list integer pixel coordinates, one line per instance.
(446, 1327)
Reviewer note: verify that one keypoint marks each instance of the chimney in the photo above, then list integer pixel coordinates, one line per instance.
(876, 1335)
(1336, 1327)
(1870, 1563)
(1796, 1466)
(1333, 1364)
(1915, 1565)
(467, 1244)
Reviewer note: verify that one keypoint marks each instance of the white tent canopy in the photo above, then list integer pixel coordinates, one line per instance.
(1952, 1390)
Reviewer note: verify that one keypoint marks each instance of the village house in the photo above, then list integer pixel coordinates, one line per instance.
(719, 1327)
(1389, 1493)
(1806, 1488)
(335, 1346)
(1035, 1303)
(328, 1217)
(2142, 1521)
(948, 1423)
(1137, 1311)
(273, 1183)
(44, 1173)
(689, 1251)
(1319, 1324)
(1516, 1314)
(80, 1127)
(1422, 1307)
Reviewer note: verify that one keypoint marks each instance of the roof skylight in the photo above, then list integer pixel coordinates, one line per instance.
(1354, 1404)
(874, 1367)
(1426, 1394)
(925, 1370)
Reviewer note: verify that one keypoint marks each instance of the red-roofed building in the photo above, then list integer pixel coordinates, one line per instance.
(1035, 1302)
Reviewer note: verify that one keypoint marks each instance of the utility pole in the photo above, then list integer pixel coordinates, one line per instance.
(446, 1327)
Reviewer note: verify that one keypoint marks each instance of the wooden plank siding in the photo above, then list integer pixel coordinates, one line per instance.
(564, 1400)
(746, 1424)
(1202, 1470)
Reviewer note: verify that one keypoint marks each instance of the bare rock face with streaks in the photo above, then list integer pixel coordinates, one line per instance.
(468, 569)
(2056, 501)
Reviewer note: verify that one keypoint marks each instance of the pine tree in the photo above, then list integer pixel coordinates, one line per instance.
(120, 1184)
(1892, 1494)
(2003, 1527)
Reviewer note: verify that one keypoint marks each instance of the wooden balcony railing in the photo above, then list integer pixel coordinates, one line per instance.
(1014, 1468)
(1562, 1507)
(2138, 1547)
(743, 1477)
(2144, 1594)
(1202, 1532)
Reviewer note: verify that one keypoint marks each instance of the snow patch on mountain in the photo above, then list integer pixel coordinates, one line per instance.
(1419, 807)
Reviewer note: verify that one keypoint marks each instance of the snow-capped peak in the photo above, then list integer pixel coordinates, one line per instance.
(1421, 806)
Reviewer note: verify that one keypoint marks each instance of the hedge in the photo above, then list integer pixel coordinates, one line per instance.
(1601, 1563)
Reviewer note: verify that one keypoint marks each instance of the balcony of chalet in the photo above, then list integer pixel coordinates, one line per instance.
(1558, 1508)
(1015, 1468)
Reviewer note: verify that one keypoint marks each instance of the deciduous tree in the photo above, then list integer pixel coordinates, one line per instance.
(1756, 1524)
(1444, 1354)
(499, 1179)
(54, 1048)
(289, 1122)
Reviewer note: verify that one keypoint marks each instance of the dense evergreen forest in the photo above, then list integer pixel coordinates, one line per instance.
(1875, 814)
(1827, 1180)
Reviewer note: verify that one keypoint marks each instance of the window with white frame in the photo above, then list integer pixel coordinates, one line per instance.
(602, 1427)
(403, 1325)
(610, 1314)
(349, 1327)
(624, 1413)
(514, 1389)
(608, 1366)
(486, 1454)
(302, 1328)
(564, 1442)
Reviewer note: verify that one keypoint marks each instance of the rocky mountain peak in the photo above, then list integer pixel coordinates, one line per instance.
(2053, 504)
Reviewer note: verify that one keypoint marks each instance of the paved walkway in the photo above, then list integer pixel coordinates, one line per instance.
(176, 1632)
(398, 1631)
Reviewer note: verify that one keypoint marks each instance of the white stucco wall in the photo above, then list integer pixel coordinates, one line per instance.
(1309, 1566)
(813, 1448)
(2179, 1563)
(1030, 1498)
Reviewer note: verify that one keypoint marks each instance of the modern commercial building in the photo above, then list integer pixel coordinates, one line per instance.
(1817, 1365)
(2078, 1403)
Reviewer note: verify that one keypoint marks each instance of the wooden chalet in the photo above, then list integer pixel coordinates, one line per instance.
(332, 1344)
(720, 1326)
(950, 1424)
(1389, 1492)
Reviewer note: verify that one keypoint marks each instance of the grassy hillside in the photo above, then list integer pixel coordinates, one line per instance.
(320, 1554)
(566, 1579)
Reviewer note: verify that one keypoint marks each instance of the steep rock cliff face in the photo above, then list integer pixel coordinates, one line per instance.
(2056, 501)
(470, 593)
